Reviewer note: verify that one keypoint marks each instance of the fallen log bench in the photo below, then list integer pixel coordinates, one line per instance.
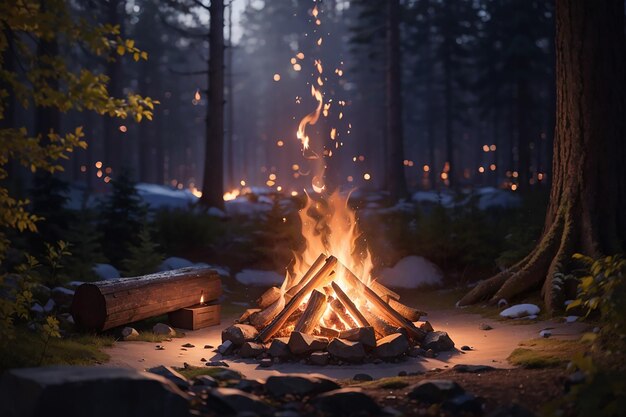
(103, 305)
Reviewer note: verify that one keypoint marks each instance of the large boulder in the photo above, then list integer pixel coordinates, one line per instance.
(437, 341)
(239, 334)
(391, 346)
(346, 402)
(73, 391)
(305, 344)
(299, 384)
(435, 390)
(232, 401)
(251, 350)
(346, 350)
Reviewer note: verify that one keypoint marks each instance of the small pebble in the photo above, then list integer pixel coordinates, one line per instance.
(266, 363)
(485, 326)
(402, 373)
(188, 345)
(208, 346)
(202, 360)
(159, 347)
(465, 347)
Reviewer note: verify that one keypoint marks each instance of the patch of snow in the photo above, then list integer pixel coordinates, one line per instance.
(174, 263)
(62, 290)
(489, 197)
(521, 310)
(260, 278)
(106, 271)
(446, 199)
(243, 206)
(411, 272)
(571, 319)
(74, 284)
(215, 212)
(159, 196)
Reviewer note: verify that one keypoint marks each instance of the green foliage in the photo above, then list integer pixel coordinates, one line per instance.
(49, 196)
(48, 81)
(29, 349)
(143, 258)
(603, 289)
(122, 218)
(544, 353)
(84, 239)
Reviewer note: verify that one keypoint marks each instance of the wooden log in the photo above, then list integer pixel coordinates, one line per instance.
(312, 313)
(347, 302)
(381, 327)
(380, 307)
(409, 313)
(262, 318)
(268, 298)
(103, 305)
(305, 279)
(332, 318)
(328, 332)
(318, 280)
(245, 317)
(383, 292)
(340, 310)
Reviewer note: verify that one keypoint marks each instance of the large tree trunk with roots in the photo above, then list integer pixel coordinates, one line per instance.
(587, 210)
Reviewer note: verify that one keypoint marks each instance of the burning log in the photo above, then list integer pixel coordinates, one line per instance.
(381, 307)
(384, 292)
(381, 327)
(103, 305)
(347, 302)
(305, 279)
(319, 279)
(262, 318)
(332, 319)
(340, 310)
(268, 298)
(312, 314)
(407, 312)
(246, 315)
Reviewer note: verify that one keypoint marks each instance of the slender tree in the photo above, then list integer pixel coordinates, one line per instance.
(213, 184)
(588, 194)
(397, 181)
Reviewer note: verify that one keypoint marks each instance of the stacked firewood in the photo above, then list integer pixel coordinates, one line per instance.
(296, 313)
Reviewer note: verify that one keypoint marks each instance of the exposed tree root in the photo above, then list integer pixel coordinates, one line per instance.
(539, 267)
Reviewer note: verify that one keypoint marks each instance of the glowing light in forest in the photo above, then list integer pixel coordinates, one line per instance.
(276, 77)
(367, 176)
(426, 168)
(197, 95)
(123, 129)
(481, 169)
(99, 164)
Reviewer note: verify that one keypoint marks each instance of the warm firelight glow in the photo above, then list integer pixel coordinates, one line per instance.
(231, 195)
(310, 119)
(367, 176)
(99, 164)
(426, 168)
(276, 77)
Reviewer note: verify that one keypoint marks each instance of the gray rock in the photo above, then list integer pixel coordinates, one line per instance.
(304, 344)
(279, 348)
(435, 390)
(299, 384)
(484, 326)
(49, 306)
(437, 341)
(74, 391)
(466, 348)
(364, 335)
(234, 401)
(346, 350)
(251, 350)
(215, 363)
(129, 333)
(473, 369)
(226, 347)
(319, 358)
(62, 296)
(188, 345)
(346, 402)
(227, 375)
(391, 346)
(171, 374)
(253, 386)
(426, 326)
(238, 334)
(206, 380)
(163, 329)
(266, 363)
(362, 377)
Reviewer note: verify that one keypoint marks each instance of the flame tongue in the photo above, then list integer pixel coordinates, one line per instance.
(310, 119)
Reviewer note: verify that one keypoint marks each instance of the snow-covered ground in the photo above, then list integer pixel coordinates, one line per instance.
(260, 278)
(411, 272)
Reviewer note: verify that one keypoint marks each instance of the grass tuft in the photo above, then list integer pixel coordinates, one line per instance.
(544, 353)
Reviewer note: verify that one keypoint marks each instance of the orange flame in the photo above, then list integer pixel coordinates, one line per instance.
(310, 119)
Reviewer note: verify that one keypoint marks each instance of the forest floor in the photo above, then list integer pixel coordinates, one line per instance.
(530, 369)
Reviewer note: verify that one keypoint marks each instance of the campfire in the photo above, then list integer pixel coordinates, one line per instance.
(330, 299)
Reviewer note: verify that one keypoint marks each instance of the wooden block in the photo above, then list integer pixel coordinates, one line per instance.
(196, 317)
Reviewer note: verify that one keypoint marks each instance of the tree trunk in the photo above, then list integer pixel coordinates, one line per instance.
(449, 106)
(213, 180)
(397, 181)
(523, 134)
(230, 178)
(588, 194)
(112, 138)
